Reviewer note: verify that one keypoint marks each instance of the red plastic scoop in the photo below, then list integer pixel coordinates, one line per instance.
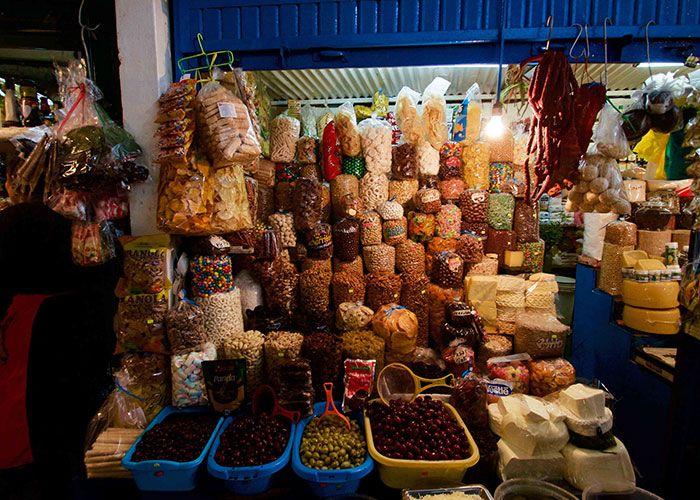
(331, 410)
(265, 401)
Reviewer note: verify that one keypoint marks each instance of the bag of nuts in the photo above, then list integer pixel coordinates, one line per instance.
(348, 288)
(185, 327)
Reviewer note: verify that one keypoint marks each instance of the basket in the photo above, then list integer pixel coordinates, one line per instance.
(415, 474)
(167, 475)
(249, 480)
(327, 483)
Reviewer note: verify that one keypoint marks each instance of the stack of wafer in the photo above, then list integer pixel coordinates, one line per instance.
(104, 458)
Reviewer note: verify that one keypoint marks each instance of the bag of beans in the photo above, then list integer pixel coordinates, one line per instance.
(399, 328)
(382, 289)
(410, 257)
(185, 327)
(348, 288)
(314, 290)
(353, 316)
(379, 258)
(414, 297)
(346, 239)
(308, 203)
(470, 248)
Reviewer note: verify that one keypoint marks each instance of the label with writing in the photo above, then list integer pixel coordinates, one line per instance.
(430, 196)
(226, 109)
(225, 380)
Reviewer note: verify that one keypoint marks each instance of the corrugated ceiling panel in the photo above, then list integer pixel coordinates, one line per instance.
(344, 83)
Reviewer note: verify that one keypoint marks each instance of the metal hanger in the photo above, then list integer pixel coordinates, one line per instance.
(605, 49)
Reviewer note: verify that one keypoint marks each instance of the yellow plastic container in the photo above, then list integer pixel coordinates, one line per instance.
(413, 474)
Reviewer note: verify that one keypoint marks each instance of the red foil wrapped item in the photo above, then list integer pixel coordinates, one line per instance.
(332, 159)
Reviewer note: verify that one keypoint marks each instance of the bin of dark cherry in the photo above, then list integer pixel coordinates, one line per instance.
(252, 440)
(179, 438)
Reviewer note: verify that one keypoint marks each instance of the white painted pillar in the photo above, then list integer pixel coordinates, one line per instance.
(143, 37)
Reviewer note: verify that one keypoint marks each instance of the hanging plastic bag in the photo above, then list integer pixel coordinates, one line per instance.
(308, 121)
(434, 111)
(407, 116)
(92, 243)
(347, 131)
(599, 188)
(467, 118)
(609, 138)
(226, 128)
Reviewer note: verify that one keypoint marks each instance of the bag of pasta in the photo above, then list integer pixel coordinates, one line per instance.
(225, 126)
(434, 112)
(346, 128)
(284, 132)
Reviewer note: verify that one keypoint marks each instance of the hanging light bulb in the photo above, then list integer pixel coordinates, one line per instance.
(495, 127)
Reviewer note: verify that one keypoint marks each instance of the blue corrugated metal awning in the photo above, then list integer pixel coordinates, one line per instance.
(297, 34)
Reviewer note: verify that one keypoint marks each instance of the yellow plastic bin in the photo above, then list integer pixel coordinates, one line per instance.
(414, 474)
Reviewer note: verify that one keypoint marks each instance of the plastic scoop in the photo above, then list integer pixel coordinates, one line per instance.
(397, 381)
(330, 409)
(265, 401)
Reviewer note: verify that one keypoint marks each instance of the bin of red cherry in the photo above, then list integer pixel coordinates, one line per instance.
(418, 442)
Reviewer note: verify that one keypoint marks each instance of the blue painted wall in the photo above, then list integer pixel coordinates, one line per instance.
(276, 34)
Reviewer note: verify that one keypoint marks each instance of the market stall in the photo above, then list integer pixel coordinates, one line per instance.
(351, 290)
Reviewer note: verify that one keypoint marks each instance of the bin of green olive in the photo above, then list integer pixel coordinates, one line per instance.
(328, 444)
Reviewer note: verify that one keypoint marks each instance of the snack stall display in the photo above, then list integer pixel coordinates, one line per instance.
(365, 296)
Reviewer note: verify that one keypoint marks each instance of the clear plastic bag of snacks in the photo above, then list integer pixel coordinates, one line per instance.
(140, 323)
(92, 243)
(448, 269)
(407, 116)
(346, 128)
(428, 159)
(514, 369)
(421, 227)
(226, 126)
(434, 111)
(306, 150)
(609, 138)
(185, 327)
(353, 316)
(189, 388)
(376, 145)
(448, 221)
(450, 160)
(331, 155)
(346, 239)
(382, 289)
(399, 328)
(550, 375)
(308, 203)
(284, 133)
(475, 165)
(374, 190)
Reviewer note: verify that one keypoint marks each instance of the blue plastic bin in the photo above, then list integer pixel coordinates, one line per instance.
(328, 483)
(251, 480)
(167, 475)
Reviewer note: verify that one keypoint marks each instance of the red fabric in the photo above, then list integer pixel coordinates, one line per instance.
(16, 336)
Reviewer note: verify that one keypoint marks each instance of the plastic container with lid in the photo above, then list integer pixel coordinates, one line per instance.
(402, 473)
(531, 488)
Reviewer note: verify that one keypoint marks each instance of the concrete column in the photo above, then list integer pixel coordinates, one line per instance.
(143, 37)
